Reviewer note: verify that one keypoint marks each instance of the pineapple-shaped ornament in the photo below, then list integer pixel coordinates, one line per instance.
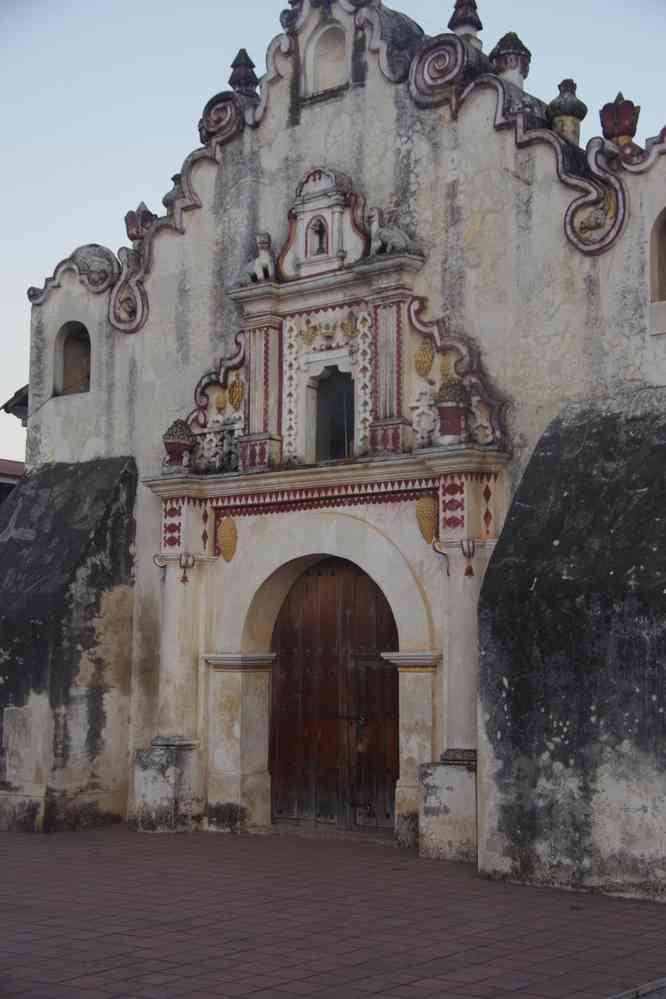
(236, 392)
(424, 359)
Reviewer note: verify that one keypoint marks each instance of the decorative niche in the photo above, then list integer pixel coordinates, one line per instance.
(72, 360)
(658, 277)
(327, 61)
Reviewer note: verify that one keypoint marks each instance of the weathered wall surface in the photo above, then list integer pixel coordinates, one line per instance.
(573, 644)
(66, 598)
(551, 323)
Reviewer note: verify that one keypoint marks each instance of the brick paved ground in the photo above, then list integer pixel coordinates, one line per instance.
(116, 914)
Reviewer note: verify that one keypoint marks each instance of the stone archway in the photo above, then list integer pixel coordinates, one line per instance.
(240, 672)
(248, 624)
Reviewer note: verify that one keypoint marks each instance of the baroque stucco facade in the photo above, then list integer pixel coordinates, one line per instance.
(415, 220)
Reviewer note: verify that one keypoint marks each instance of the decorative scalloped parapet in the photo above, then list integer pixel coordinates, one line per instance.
(392, 36)
(448, 69)
(442, 70)
(95, 266)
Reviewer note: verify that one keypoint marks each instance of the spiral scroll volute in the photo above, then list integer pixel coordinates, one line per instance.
(444, 64)
(223, 119)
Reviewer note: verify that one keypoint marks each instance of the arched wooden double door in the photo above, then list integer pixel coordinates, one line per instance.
(334, 722)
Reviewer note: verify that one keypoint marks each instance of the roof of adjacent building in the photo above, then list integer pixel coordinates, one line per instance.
(11, 469)
(18, 401)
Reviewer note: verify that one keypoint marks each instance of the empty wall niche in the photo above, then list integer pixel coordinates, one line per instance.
(72, 360)
(335, 416)
(658, 276)
(329, 60)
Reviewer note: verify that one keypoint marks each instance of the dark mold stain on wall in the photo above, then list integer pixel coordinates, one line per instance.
(66, 536)
(573, 651)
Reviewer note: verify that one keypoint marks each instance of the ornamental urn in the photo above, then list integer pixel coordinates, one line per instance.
(178, 441)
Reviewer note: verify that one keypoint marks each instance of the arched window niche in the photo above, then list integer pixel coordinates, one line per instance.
(327, 63)
(658, 276)
(72, 360)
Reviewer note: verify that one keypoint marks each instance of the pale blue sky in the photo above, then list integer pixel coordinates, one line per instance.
(101, 100)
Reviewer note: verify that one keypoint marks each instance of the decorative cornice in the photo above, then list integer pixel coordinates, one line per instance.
(372, 279)
(239, 662)
(417, 470)
(414, 662)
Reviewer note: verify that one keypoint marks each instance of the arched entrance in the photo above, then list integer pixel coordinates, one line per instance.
(334, 721)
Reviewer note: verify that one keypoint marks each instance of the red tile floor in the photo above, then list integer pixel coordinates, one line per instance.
(113, 913)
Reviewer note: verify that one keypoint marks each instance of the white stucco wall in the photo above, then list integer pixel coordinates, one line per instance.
(551, 324)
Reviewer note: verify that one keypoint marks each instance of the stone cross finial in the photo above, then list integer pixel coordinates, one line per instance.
(465, 20)
(243, 79)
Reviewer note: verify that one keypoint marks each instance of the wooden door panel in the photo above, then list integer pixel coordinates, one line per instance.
(334, 729)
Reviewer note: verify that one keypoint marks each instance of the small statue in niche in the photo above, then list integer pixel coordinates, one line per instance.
(386, 236)
(263, 265)
(319, 238)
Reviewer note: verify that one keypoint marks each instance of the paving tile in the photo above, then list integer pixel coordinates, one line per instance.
(185, 917)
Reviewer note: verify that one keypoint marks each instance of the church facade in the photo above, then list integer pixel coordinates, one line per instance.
(279, 434)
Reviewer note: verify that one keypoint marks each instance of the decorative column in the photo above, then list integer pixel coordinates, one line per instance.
(239, 784)
(260, 448)
(416, 671)
(390, 432)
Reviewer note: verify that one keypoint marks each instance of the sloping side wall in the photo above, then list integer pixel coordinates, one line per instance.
(573, 657)
(66, 536)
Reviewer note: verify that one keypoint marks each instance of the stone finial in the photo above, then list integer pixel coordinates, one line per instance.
(511, 59)
(566, 112)
(174, 194)
(465, 19)
(619, 120)
(243, 79)
(138, 222)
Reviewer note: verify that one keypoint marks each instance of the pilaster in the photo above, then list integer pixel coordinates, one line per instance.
(417, 674)
(239, 784)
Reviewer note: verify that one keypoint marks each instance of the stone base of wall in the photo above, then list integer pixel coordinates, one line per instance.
(21, 812)
(447, 818)
(47, 810)
(168, 788)
(239, 802)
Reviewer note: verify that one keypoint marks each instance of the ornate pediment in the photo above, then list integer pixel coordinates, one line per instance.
(334, 361)
(327, 226)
